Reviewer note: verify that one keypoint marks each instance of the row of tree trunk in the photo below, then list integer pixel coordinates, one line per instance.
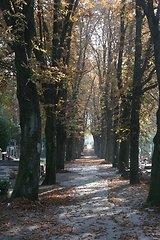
(130, 106)
(19, 16)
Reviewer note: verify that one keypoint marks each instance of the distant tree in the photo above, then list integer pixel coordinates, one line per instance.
(80, 84)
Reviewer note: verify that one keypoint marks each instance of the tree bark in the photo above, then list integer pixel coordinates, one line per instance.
(69, 148)
(27, 181)
(109, 155)
(153, 22)
(136, 101)
(60, 58)
(124, 107)
(134, 137)
(97, 144)
(50, 134)
(61, 143)
(125, 136)
(30, 121)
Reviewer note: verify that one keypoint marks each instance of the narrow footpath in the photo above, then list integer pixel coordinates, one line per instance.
(89, 201)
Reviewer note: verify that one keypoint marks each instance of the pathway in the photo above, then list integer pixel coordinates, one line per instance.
(91, 214)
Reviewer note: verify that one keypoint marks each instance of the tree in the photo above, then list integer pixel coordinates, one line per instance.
(130, 98)
(123, 106)
(19, 17)
(140, 79)
(47, 77)
(103, 47)
(61, 52)
(136, 100)
(151, 10)
(83, 31)
(55, 85)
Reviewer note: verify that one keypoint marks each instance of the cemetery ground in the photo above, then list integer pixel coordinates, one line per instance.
(89, 201)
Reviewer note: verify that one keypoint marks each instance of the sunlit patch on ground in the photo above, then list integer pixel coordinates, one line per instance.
(89, 146)
(90, 201)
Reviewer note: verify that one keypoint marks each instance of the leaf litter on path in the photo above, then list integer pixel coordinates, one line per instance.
(91, 201)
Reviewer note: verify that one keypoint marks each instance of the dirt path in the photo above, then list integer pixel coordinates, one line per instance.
(89, 201)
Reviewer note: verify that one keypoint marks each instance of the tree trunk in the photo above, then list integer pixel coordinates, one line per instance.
(121, 107)
(110, 136)
(61, 124)
(27, 181)
(154, 192)
(69, 149)
(153, 21)
(80, 146)
(136, 101)
(124, 155)
(97, 144)
(103, 139)
(125, 119)
(74, 146)
(49, 94)
(61, 143)
(23, 29)
(115, 151)
(50, 134)
(134, 138)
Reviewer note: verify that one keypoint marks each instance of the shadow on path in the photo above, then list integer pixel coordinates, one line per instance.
(88, 204)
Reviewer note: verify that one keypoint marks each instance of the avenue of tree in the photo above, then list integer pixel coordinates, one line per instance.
(80, 66)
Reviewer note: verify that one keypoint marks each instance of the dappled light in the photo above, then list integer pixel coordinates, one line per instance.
(80, 84)
(89, 200)
(83, 82)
